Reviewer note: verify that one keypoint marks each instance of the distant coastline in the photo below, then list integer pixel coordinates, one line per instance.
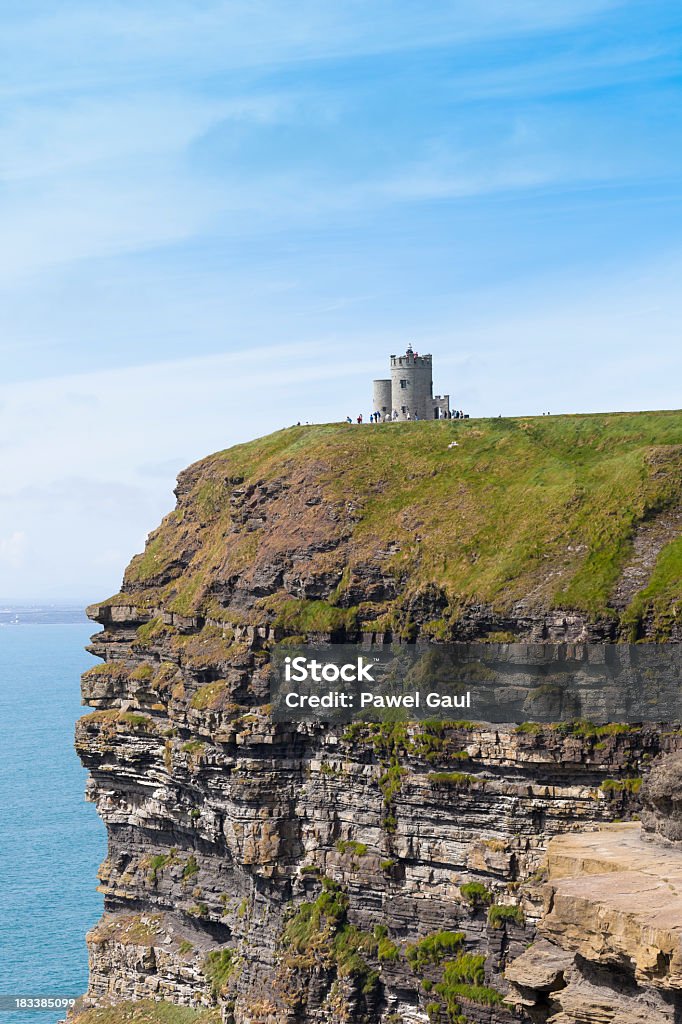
(43, 614)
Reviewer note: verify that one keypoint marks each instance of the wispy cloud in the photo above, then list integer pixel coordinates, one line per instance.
(114, 163)
(87, 42)
(78, 479)
(220, 217)
(108, 175)
(52, 138)
(12, 549)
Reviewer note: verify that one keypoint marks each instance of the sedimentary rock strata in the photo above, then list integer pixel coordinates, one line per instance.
(609, 944)
(288, 874)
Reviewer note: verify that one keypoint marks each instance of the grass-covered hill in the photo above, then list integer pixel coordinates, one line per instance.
(333, 525)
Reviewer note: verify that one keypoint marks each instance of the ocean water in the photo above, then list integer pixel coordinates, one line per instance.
(51, 841)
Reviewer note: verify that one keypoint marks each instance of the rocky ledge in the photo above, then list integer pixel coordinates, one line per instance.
(609, 944)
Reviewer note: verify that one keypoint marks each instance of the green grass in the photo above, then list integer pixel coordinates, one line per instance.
(191, 868)
(475, 893)
(143, 672)
(459, 780)
(148, 1012)
(661, 597)
(499, 915)
(390, 741)
(476, 993)
(298, 617)
(463, 978)
(153, 560)
(528, 729)
(580, 727)
(467, 968)
(218, 968)
(547, 505)
(199, 910)
(387, 951)
(158, 863)
(139, 723)
(321, 929)
(114, 670)
(208, 697)
(351, 846)
(585, 729)
(390, 782)
(326, 914)
(433, 741)
(433, 949)
(110, 718)
(615, 787)
(153, 630)
(194, 748)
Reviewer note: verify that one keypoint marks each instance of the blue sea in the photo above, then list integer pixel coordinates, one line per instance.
(51, 841)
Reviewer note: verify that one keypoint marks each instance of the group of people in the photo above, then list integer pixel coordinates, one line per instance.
(379, 417)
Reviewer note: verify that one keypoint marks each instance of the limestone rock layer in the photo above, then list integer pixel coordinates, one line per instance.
(393, 874)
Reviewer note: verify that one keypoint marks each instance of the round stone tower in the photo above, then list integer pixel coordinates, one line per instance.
(381, 391)
(412, 386)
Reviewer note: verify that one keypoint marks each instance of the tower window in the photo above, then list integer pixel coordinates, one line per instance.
(404, 383)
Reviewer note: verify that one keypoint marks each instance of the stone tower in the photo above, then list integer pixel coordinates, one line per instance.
(409, 392)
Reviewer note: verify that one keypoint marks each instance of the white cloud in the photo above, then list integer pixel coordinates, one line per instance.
(90, 477)
(99, 159)
(13, 549)
(566, 72)
(94, 476)
(47, 138)
(99, 176)
(119, 142)
(88, 44)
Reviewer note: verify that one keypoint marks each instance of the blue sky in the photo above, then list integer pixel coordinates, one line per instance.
(221, 217)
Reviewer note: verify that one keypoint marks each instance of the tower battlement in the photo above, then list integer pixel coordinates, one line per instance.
(408, 393)
(411, 359)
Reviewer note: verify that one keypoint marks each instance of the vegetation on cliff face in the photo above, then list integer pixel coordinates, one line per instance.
(341, 875)
(540, 510)
(320, 932)
(147, 1012)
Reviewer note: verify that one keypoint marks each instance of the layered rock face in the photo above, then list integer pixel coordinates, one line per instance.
(610, 937)
(297, 873)
(222, 827)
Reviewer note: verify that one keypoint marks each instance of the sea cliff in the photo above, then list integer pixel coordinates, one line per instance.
(286, 874)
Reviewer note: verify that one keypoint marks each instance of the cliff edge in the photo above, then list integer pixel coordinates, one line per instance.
(279, 874)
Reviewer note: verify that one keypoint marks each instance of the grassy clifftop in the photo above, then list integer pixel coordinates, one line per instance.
(551, 511)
